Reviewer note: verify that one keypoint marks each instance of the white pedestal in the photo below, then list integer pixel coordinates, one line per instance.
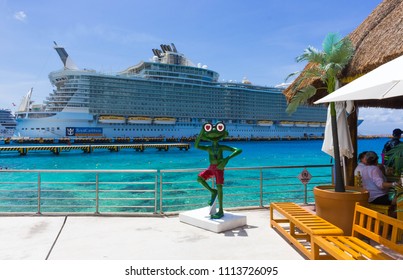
(201, 218)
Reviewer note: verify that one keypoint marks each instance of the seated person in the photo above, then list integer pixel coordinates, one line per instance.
(361, 163)
(374, 181)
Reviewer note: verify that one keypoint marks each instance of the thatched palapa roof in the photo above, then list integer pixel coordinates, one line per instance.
(377, 40)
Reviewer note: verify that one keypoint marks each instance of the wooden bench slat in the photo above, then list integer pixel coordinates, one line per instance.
(361, 249)
(302, 224)
(348, 247)
(371, 224)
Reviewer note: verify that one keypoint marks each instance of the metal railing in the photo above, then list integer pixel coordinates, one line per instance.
(78, 191)
(134, 192)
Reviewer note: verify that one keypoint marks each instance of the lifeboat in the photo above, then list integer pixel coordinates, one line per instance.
(286, 123)
(314, 124)
(112, 119)
(139, 120)
(265, 123)
(301, 124)
(164, 120)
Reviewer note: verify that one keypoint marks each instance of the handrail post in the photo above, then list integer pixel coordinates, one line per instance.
(261, 187)
(161, 210)
(39, 193)
(156, 193)
(305, 194)
(97, 193)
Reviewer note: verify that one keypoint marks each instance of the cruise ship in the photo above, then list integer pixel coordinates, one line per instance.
(7, 123)
(167, 96)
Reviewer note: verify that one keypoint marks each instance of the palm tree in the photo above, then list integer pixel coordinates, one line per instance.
(326, 66)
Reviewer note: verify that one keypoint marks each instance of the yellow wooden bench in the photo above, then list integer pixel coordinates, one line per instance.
(298, 225)
(375, 226)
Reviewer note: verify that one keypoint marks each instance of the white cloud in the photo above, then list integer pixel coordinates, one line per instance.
(379, 121)
(21, 16)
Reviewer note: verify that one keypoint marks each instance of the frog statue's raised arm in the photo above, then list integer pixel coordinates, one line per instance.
(215, 133)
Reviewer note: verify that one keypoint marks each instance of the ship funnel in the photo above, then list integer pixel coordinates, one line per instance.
(174, 48)
(157, 53)
(67, 62)
(166, 48)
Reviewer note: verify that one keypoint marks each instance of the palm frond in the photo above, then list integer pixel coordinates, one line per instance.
(311, 73)
(292, 75)
(300, 98)
(311, 54)
(343, 54)
(395, 158)
(331, 43)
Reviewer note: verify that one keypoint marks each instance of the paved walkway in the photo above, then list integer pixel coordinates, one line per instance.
(138, 238)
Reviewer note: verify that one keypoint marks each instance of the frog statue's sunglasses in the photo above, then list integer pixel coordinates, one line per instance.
(220, 127)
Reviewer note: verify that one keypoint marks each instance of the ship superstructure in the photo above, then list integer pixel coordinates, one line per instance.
(167, 96)
(7, 123)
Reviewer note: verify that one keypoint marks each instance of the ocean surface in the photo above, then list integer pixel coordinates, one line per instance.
(246, 184)
(275, 153)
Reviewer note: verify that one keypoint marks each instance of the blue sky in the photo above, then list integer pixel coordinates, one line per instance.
(254, 39)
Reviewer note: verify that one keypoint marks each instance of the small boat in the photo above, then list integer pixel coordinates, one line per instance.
(265, 123)
(139, 120)
(164, 120)
(314, 124)
(286, 123)
(112, 119)
(301, 124)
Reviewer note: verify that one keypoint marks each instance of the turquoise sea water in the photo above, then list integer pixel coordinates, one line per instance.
(137, 192)
(254, 154)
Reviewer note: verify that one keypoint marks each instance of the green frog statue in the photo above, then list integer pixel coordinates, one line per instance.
(215, 133)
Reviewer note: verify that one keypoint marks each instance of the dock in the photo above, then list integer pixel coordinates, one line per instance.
(89, 148)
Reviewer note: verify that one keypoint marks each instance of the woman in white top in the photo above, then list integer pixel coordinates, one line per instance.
(374, 181)
(361, 163)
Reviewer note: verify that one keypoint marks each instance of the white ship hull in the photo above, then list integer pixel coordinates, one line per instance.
(83, 125)
(6, 132)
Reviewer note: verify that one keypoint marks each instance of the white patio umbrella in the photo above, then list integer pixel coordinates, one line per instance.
(345, 143)
(386, 81)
